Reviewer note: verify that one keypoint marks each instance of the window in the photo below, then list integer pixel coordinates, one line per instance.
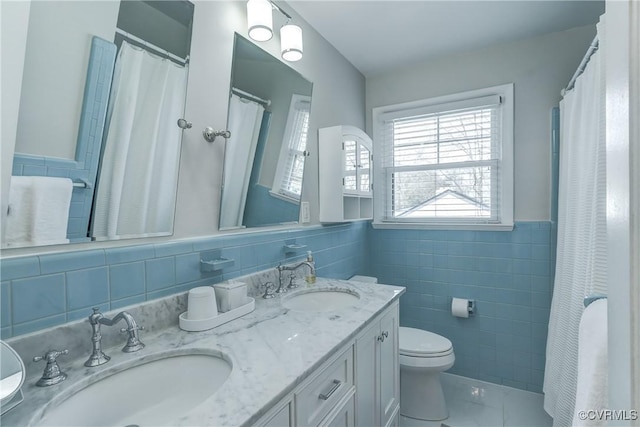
(288, 178)
(446, 162)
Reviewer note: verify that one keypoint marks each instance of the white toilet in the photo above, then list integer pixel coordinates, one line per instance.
(423, 355)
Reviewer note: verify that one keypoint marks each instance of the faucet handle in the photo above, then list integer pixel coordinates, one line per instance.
(292, 281)
(52, 374)
(268, 286)
(51, 355)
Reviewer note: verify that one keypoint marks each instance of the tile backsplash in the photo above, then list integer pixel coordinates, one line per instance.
(52, 289)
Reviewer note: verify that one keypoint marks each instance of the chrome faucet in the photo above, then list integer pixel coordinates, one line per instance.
(96, 319)
(292, 284)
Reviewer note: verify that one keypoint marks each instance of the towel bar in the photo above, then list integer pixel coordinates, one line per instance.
(81, 184)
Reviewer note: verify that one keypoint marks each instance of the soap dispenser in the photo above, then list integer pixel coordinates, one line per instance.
(311, 276)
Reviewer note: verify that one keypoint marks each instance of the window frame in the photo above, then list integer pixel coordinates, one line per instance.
(382, 188)
(283, 159)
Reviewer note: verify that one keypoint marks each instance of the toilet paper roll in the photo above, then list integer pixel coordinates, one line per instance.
(460, 307)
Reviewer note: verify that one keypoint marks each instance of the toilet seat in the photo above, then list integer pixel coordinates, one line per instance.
(423, 344)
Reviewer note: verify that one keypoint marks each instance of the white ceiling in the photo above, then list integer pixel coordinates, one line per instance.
(378, 36)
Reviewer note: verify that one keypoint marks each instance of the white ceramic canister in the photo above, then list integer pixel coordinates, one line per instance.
(231, 295)
(201, 303)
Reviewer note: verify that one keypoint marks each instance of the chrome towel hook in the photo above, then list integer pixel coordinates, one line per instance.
(183, 124)
(210, 134)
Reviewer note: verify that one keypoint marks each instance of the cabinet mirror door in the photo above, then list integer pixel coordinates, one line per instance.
(350, 166)
(364, 169)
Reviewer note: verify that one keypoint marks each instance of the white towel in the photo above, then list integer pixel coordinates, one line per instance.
(38, 211)
(592, 387)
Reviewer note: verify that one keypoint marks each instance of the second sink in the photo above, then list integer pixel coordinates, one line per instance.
(319, 300)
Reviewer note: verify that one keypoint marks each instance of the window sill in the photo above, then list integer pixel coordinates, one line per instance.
(451, 227)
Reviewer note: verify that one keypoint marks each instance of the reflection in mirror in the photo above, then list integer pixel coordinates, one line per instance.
(264, 162)
(137, 181)
(12, 375)
(103, 86)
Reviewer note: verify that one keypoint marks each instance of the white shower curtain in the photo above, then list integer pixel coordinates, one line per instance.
(582, 246)
(138, 175)
(245, 118)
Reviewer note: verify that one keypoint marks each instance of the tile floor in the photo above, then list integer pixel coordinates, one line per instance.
(474, 403)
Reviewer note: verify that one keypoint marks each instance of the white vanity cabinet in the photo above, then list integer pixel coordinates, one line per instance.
(378, 371)
(345, 159)
(358, 385)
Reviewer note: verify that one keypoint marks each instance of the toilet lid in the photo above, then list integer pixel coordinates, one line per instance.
(418, 342)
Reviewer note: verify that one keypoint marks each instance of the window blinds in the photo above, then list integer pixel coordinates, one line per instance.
(442, 163)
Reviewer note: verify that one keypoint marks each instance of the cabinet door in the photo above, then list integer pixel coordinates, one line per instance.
(367, 404)
(389, 366)
(350, 178)
(364, 169)
(282, 417)
(357, 166)
(343, 416)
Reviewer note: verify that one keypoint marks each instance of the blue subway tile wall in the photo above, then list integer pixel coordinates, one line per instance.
(48, 290)
(509, 274)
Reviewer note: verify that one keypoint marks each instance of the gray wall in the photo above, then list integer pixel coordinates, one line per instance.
(539, 67)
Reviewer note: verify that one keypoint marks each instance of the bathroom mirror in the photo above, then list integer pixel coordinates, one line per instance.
(269, 108)
(12, 375)
(104, 84)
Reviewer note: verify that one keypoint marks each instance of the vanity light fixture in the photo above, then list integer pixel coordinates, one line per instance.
(260, 22)
(291, 42)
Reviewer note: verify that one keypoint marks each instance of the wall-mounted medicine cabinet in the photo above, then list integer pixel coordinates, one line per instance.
(345, 161)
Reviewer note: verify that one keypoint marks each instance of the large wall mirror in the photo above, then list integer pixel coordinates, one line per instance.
(98, 146)
(264, 161)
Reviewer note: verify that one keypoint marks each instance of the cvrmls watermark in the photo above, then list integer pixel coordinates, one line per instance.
(609, 415)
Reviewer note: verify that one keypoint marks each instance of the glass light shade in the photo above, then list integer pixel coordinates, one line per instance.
(291, 42)
(260, 20)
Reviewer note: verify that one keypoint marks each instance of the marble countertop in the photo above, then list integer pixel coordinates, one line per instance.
(272, 349)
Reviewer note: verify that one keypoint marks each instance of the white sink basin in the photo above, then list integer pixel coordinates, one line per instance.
(150, 394)
(319, 300)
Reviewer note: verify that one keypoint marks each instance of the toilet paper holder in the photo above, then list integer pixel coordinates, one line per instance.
(470, 307)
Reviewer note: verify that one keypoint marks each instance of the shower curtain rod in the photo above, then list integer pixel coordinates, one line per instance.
(247, 95)
(583, 64)
(156, 49)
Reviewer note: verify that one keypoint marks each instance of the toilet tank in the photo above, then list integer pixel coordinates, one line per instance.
(365, 279)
